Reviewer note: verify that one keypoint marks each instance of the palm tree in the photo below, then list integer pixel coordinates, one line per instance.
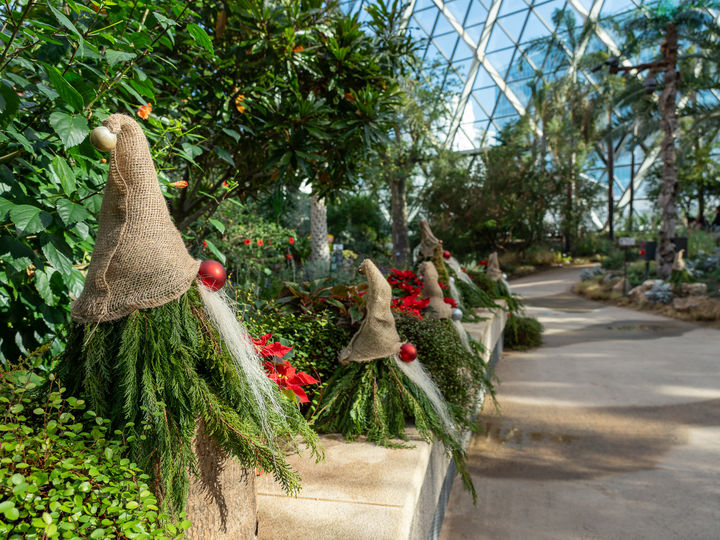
(667, 26)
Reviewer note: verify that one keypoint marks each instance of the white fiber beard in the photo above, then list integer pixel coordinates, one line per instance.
(454, 293)
(452, 263)
(247, 361)
(462, 334)
(416, 373)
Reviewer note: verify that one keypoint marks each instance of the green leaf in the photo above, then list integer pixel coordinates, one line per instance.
(9, 105)
(5, 207)
(72, 130)
(62, 19)
(11, 514)
(163, 20)
(71, 212)
(201, 37)
(62, 173)
(217, 224)
(57, 253)
(215, 251)
(114, 57)
(29, 219)
(225, 155)
(97, 533)
(66, 92)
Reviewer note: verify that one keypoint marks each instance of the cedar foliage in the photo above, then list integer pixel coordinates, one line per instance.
(460, 376)
(162, 371)
(375, 399)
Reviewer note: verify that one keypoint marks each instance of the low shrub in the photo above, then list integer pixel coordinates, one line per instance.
(589, 273)
(614, 260)
(661, 293)
(473, 297)
(522, 333)
(316, 338)
(63, 475)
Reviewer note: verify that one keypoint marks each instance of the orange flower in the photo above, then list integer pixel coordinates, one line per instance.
(144, 111)
(349, 96)
(299, 48)
(239, 103)
(180, 184)
(259, 242)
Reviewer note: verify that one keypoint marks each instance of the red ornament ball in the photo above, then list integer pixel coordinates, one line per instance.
(212, 274)
(408, 352)
(446, 254)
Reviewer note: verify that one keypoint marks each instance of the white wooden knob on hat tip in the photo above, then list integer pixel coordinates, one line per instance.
(103, 139)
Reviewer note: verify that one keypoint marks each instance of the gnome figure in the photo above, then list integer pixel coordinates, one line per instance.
(376, 341)
(493, 267)
(428, 240)
(432, 290)
(156, 343)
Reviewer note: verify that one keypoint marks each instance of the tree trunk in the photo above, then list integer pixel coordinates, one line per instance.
(320, 255)
(400, 238)
(221, 503)
(668, 193)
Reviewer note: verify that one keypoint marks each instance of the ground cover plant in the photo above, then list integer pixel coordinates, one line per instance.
(65, 473)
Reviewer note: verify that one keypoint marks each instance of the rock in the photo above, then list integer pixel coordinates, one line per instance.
(620, 287)
(693, 289)
(694, 303)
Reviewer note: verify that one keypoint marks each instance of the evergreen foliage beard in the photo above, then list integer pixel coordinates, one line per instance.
(157, 374)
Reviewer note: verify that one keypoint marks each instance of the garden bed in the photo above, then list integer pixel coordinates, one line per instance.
(362, 490)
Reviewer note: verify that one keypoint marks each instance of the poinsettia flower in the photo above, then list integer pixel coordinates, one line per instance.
(291, 240)
(483, 263)
(450, 301)
(288, 379)
(274, 349)
(262, 341)
(411, 304)
(289, 256)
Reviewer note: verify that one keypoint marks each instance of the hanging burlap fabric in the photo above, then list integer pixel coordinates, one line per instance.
(428, 241)
(493, 267)
(139, 260)
(679, 262)
(377, 337)
(432, 290)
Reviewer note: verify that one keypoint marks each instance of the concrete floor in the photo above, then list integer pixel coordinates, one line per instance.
(610, 430)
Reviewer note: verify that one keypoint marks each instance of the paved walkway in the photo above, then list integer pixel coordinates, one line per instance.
(611, 430)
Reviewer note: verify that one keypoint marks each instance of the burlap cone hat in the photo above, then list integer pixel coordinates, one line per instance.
(493, 267)
(432, 290)
(377, 336)
(428, 240)
(139, 260)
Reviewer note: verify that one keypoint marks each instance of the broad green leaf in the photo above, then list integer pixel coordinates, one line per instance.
(163, 20)
(66, 92)
(16, 254)
(42, 284)
(71, 212)
(215, 251)
(201, 37)
(5, 207)
(72, 130)
(9, 104)
(67, 23)
(74, 281)
(57, 253)
(224, 155)
(29, 219)
(114, 57)
(217, 224)
(62, 172)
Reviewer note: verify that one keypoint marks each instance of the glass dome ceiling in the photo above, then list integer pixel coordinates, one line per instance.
(488, 58)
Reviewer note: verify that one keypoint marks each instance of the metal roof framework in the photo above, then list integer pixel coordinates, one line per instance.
(490, 53)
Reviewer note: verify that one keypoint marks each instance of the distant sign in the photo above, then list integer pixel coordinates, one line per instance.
(626, 241)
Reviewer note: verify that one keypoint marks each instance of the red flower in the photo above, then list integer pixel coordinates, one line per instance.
(450, 301)
(247, 241)
(288, 379)
(291, 240)
(483, 263)
(204, 244)
(274, 349)
(289, 256)
(411, 304)
(442, 285)
(259, 242)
